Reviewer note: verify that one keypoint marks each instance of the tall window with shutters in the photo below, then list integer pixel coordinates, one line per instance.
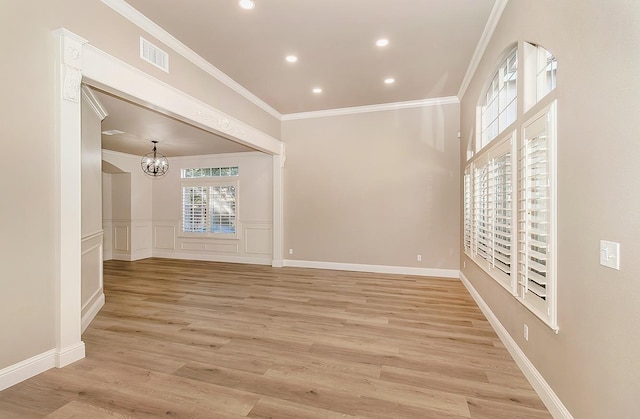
(536, 214)
(481, 211)
(467, 210)
(489, 230)
(509, 193)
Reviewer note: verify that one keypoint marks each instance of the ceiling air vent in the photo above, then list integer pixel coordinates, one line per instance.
(154, 55)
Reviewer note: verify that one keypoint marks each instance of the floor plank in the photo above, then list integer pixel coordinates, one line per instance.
(217, 340)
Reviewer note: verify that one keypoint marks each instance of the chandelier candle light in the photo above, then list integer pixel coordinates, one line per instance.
(154, 164)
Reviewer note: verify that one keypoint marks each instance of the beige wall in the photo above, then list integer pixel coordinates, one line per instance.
(130, 228)
(592, 363)
(377, 188)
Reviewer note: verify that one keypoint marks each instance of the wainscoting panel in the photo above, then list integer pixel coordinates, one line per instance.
(141, 239)
(215, 247)
(253, 245)
(164, 236)
(141, 236)
(121, 238)
(257, 240)
(107, 240)
(92, 296)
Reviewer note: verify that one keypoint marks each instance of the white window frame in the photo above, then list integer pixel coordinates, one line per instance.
(210, 182)
(544, 308)
(483, 225)
(533, 103)
(498, 110)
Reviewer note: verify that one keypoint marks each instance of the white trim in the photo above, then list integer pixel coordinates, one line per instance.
(165, 37)
(69, 63)
(539, 384)
(382, 269)
(23, 370)
(212, 258)
(490, 27)
(69, 354)
(91, 236)
(218, 156)
(93, 102)
(277, 193)
(104, 70)
(90, 313)
(438, 101)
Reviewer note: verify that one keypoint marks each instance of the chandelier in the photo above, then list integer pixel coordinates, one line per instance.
(154, 164)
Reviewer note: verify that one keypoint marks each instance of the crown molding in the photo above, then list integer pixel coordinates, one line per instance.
(487, 34)
(165, 37)
(373, 108)
(94, 103)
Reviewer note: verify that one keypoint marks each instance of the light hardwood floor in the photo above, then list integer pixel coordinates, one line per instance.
(216, 340)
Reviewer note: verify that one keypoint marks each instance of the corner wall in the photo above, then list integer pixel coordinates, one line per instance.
(376, 188)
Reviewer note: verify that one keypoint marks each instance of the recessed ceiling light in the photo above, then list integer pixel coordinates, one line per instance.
(317, 90)
(389, 80)
(247, 4)
(112, 132)
(382, 42)
(291, 58)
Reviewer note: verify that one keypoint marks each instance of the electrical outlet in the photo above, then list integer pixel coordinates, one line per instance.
(290, 251)
(419, 258)
(464, 264)
(526, 332)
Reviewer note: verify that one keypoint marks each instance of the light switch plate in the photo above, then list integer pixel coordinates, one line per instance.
(610, 254)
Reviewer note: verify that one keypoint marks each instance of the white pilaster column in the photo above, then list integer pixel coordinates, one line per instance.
(278, 208)
(69, 346)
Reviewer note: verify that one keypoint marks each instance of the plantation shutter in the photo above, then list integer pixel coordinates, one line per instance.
(481, 211)
(501, 192)
(467, 209)
(223, 209)
(194, 209)
(534, 218)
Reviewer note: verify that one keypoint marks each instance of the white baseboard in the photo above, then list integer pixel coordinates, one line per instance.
(69, 355)
(211, 258)
(26, 369)
(539, 384)
(121, 256)
(141, 254)
(382, 269)
(92, 309)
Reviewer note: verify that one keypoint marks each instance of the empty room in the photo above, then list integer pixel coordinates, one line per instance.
(320, 209)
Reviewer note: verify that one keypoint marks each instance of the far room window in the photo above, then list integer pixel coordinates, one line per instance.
(210, 202)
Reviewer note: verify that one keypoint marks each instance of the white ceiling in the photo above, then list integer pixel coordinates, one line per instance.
(431, 44)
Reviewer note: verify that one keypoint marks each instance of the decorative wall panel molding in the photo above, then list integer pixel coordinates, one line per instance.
(257, 240)
(164, 237)
(216, 247)
(121, 238)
